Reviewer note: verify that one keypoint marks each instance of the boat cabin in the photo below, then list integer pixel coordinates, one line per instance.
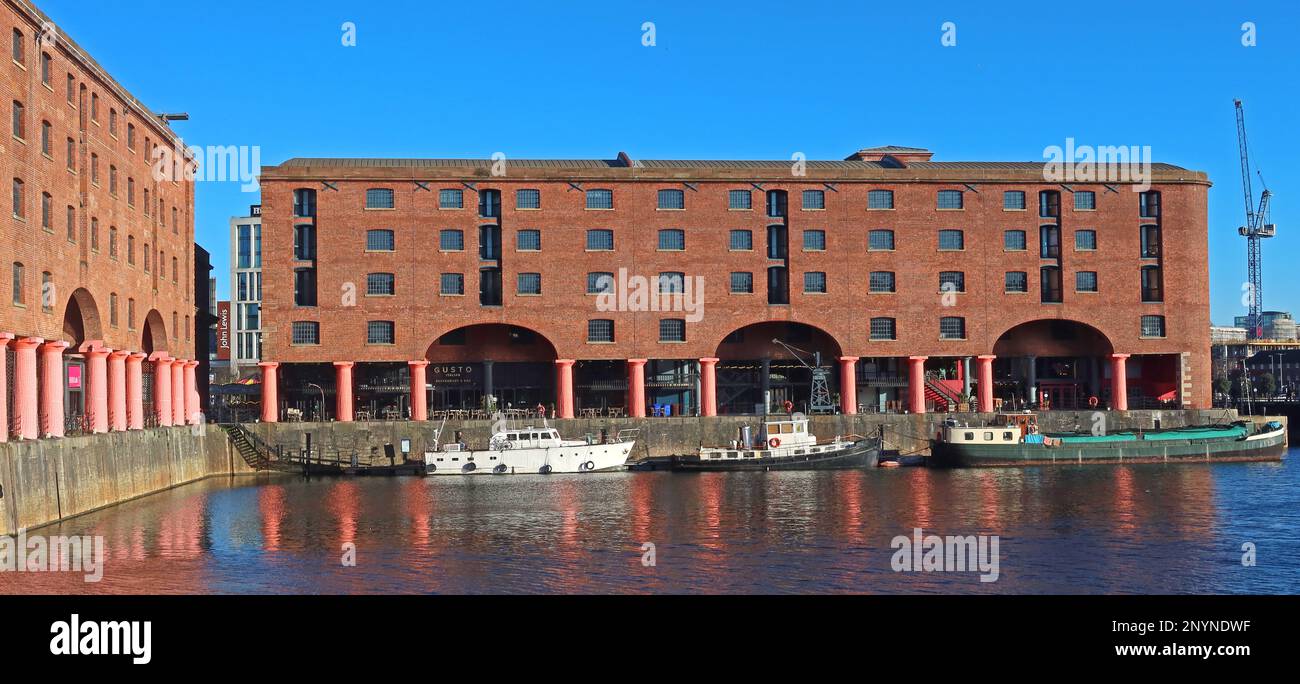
(1007, 428)
(787, 433)
(528, 438)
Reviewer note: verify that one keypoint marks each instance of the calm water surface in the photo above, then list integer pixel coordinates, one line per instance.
(1096, 529)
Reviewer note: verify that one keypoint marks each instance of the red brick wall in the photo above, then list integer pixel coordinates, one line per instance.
(844, 312)
(73, 264)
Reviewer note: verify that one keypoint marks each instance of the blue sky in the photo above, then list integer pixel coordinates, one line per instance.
(755, 80)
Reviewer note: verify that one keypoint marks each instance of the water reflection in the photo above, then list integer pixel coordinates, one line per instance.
(1144, 528)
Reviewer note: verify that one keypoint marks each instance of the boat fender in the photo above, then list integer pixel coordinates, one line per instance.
(470, 467)
(432, 468)
(775, 442)
(500, 469)
(546, 470)
(589, 465)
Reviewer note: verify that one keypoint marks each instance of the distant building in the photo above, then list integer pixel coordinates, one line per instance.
(246, 294)
(1278, 325)
(1283, 365)
(1220, 334)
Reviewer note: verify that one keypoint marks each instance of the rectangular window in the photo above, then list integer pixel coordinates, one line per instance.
(379, 241)
(741, 241)
(528, 199)
(1150, 242)
(380, 285)
(530, 283)
(883, 329)
(19, 121)
(951, 240)
(880, 199)
(600, 330)
(1085, 200)
(740, 199)
(672, 240)
(882, 281)
(380, 332)
(952, 328)
(1153, 326)
(742, 283)
(379, 198)
(814, 199)
(880, 241)
(814, 282)
(952, 281)
(452, 284)
(672, 199)
(1017, 281)
(672, 283)
(451, 240)
(304, 287)
(529, 241)
(1085, 240)
(19, 53)
(1050, 284)
(1085, 281)
(600, 283)
(305, 332)
(1014, 241)
(600, 199)
(814, 240)
(672, 330)
(950, 199)
(1049, 204)
(18, 283)
(600, 241)
(1149, 204)
(1013, 200)
(1152, 285)
(1049, 242)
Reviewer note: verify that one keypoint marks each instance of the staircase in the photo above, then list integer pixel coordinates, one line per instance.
(250, 448)
(944, 393)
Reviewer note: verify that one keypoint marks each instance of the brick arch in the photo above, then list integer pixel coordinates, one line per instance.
(757, 343)
(1053, 337)
(81, 320)
(492, 340)
(153, 336)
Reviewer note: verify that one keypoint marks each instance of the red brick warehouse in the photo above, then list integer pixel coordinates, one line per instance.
(98, 333)
(416, 284)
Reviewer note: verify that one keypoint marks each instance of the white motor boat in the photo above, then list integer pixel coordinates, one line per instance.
(531, 450)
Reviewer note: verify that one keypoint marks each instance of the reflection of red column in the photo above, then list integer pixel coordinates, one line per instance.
(849, 385)
(984, 376)
(1119, 382)
(270, 395)
(4, 383)
(916, 383)
(419, 390)
(636, 388)
(52, 388)
(135, 391)
(564, 387)
(97, 389)
(162, 388)
(191, 394)
(26, 396)
(117, 390)
(343, 391)
(178, 391)
(708, 387)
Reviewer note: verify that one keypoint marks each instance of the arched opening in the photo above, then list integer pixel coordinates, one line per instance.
(513, 365)
(80, 324)
(154, 336)
(1060, 361)
(81, 319)
(763, 365)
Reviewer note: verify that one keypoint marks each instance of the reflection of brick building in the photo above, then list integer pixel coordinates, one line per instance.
(100, 317)
(897, 269)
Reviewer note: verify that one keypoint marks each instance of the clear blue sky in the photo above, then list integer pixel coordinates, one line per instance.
(756, 80)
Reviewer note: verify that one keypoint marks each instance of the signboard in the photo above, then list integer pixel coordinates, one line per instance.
(74, 377)
(449, 375)
(223, 331)
(255, 210)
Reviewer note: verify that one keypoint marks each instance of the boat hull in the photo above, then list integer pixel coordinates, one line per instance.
(862, 454)
(1265, 447)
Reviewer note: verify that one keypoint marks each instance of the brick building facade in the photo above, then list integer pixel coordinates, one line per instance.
(99, 326)
(418, 285)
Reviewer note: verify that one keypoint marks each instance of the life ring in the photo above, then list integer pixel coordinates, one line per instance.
(1093, 401)
(789, 406)
(589, 466)
(775, 442)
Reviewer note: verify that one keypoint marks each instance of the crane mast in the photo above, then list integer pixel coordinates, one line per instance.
(1256, 229)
